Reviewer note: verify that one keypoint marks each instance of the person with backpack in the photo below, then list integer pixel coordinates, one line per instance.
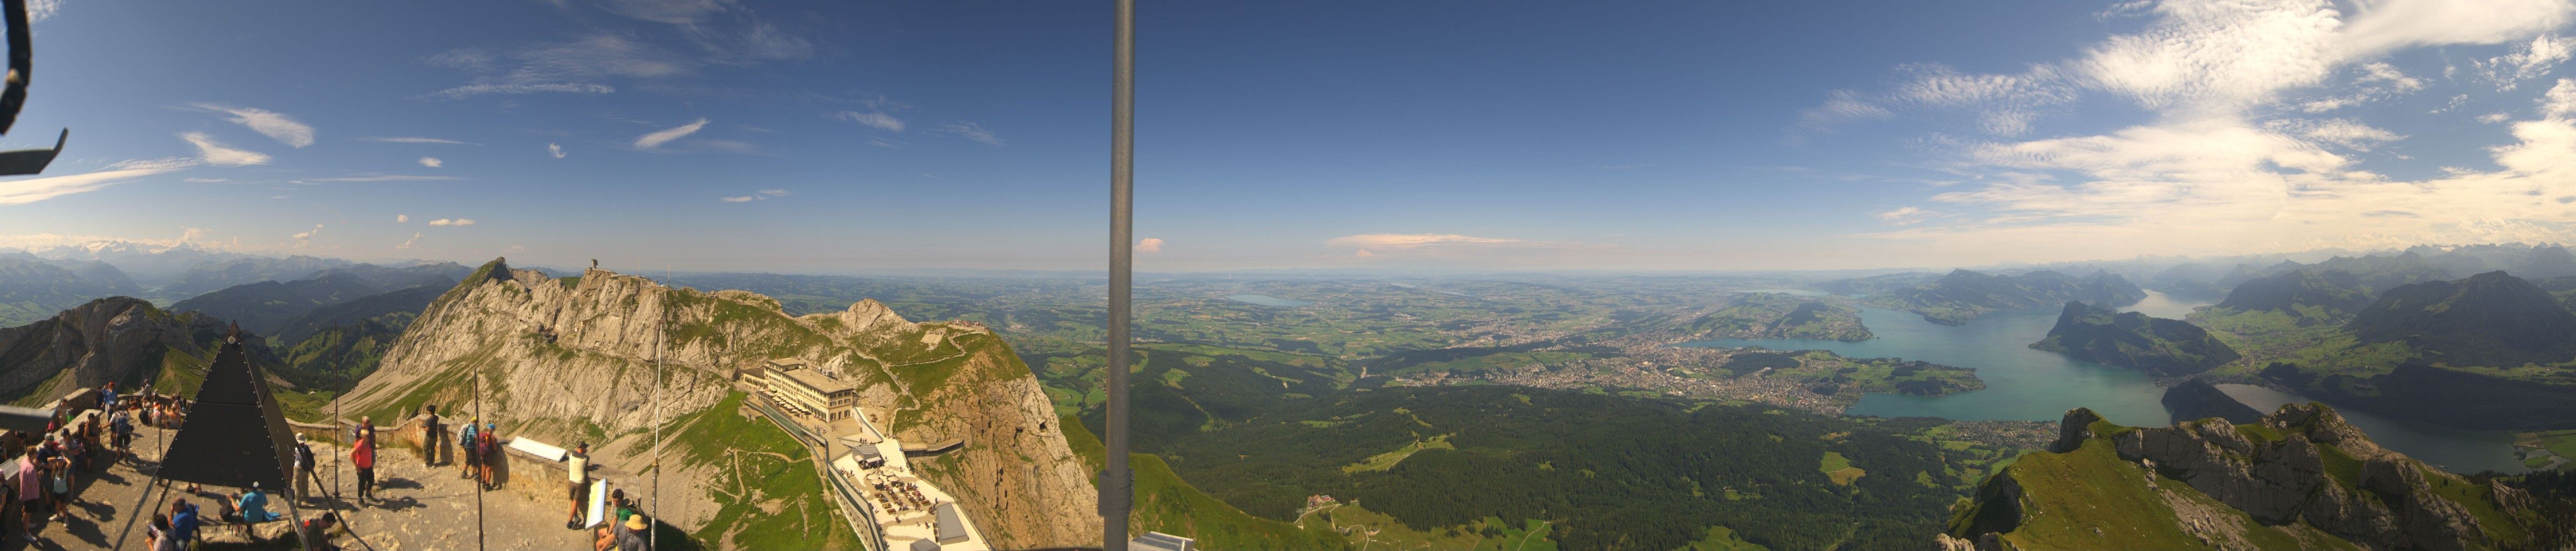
(465, 449)
(487, 445)
(304, 467)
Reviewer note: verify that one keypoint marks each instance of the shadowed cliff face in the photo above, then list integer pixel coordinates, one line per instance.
(574, 359)
(110, 339)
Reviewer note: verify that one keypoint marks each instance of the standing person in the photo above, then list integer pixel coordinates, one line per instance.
(430, 435)
(60, 481)
(465, 449)
(303, 467)
(31, 492)
(107, 397)
(488, 445)
(363, 456)
(579, 485)
(120, 427)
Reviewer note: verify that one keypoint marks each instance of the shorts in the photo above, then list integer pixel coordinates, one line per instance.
(472, 458)
(580, 490)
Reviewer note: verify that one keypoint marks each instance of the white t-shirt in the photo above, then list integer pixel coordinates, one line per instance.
(580, 465)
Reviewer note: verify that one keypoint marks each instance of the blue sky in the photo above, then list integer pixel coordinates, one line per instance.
(840, 137)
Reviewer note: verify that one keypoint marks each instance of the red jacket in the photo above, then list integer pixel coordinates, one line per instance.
(365, 454)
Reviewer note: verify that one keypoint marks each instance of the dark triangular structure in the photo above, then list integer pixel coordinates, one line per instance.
(235, 434)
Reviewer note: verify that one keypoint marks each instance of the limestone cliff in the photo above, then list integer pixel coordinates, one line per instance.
(2300, 478)
(573, 359)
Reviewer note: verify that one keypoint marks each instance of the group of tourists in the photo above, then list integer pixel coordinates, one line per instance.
(481, 448)
(628, 530)
(49, 465)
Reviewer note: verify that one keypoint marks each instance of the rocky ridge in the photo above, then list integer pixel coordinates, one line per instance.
(2300, 478)
(574, 358)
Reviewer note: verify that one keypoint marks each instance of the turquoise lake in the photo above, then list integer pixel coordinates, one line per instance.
(2033, 385)
(1267, 300)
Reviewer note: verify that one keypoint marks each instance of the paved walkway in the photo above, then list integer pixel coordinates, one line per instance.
(419, 507)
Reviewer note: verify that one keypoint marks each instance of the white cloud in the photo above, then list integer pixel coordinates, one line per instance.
(453, 222)
(415, 238)
(2496, 117)
(218, 154)
(888, 144)
(2218, 170)
(471, 90)
(17, 192)
(2341, 132)
(756, 195)
(656, 138)
(555, 150)
(2560, 103)
(880, 121)
(40, 10)
(2525, 62)
(410, 139)
(969, 131)
(1901, 215)
(431, 162)
(269, 123)
(306, 238)
(402, 218)
(1149, 245)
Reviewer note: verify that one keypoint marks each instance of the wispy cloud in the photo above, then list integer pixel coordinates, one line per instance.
(577, 66)
(1901, 215)
(269, 123)
(377, 178)
(431, 162)
(16, 192)
(218, 154)
(410, 139)
(406, 244)
(471, 90)
(656, 138)
(888, 144)
(2526, 61)
(452, 222)
(880, 121)
(555, 150)
(756, 196)
(969, 131)
(306, 237)
(402, 218)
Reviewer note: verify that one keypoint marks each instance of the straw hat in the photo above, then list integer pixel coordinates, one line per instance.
(635, 522)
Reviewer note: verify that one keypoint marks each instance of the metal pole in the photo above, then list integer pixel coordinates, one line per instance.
(1118, 484)
(662, 329)
(485, 464)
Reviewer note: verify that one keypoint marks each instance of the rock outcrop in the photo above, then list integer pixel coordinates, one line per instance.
(572, 358)
(2301, 474)
(110, 339)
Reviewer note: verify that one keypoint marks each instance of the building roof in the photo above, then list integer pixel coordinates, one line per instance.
(1158, 541)
(950, 527)
(815, 380)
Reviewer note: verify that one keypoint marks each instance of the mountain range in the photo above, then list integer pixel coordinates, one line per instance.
(1963, 295)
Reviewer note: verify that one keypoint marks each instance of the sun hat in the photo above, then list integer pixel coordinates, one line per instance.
(635, 521)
